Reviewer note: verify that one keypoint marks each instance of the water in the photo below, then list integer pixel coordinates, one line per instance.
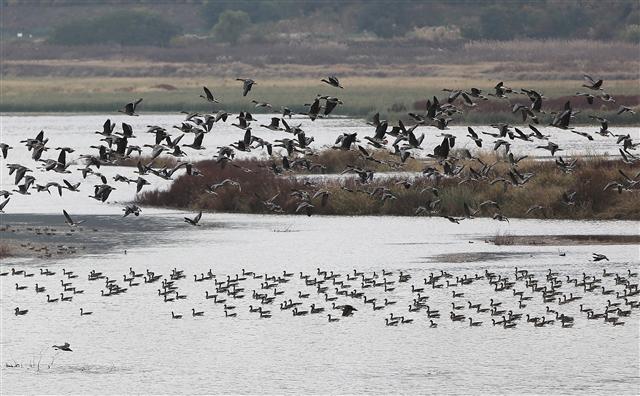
(130, 344)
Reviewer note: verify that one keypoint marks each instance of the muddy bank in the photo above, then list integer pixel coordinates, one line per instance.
(563, 240)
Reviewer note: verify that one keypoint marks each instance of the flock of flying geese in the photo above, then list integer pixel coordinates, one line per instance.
(117, 145)
(520, 298)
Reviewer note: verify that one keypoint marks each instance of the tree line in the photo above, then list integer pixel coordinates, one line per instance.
(228, 20)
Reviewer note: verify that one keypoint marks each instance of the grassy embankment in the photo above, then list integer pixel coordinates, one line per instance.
(545, 189)
(393, 97)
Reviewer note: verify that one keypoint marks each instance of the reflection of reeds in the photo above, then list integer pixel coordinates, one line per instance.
(503, 239)
(545, 189)
(5, 251)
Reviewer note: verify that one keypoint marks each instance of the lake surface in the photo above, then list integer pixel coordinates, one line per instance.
(130, 344)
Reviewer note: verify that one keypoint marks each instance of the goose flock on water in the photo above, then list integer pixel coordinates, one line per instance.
(509, 300)
(296, 152)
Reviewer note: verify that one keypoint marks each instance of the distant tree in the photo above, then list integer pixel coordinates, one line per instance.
(502, 23)
(261, 10)
(120, 27)
(384, 18)
(231, 25)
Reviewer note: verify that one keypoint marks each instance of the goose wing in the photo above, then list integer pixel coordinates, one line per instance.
(66, 215)
(208, 93)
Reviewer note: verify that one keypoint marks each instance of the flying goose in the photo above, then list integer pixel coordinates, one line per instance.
(3, 204)
(5, 149)
(195, 220)
(69, 221)
(130, 108)
(247, 84)
(333, 81)
(209, 96)
(592, 83)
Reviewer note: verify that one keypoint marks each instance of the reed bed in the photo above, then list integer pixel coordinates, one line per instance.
(545, 189)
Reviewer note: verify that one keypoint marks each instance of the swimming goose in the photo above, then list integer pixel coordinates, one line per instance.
(509, 325)
(196, 313)
(332, 319)
(315, 310)
(65, 347)
(20, 312)
(456, 318)
(473, 306)
(390, 323)
(299, 313)
(174, 316)
(84, 313)
(416, 289)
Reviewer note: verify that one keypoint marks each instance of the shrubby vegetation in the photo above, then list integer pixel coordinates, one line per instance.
(477, 19)
(340, 20)
(545, 189)
(119, 27)
(231, 24)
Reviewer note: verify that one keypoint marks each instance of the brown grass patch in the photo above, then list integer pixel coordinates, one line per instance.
(545, 188)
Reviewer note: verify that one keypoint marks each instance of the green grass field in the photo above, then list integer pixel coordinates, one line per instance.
(392, 97)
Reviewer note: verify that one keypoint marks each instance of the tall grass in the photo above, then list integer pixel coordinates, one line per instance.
(545, 189)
